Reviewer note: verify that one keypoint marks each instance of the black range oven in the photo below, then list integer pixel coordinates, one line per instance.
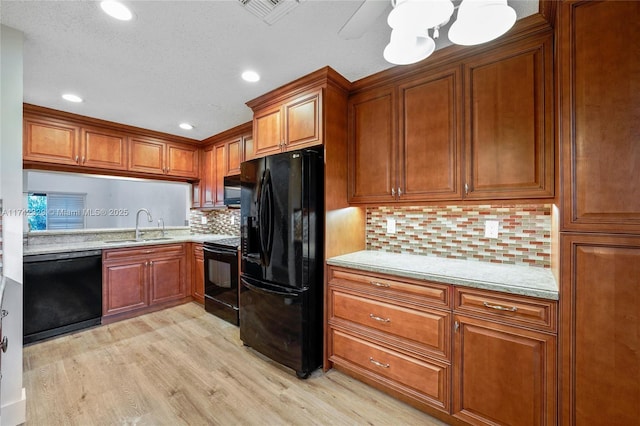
(221, 278)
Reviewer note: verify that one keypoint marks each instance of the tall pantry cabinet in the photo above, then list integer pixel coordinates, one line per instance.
(599, 100)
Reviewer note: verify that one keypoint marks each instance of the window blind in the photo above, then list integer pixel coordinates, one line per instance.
(65, 211)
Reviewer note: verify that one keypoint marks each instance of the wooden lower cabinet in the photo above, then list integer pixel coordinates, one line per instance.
(197, 273)
(502, 374)
(137, 280)
(466, 356)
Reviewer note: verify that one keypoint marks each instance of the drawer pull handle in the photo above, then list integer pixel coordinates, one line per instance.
(377, 284)
(373, 317)
(499, 308)
(378, 363)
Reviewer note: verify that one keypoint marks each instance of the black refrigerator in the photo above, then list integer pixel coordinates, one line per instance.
(282, 258)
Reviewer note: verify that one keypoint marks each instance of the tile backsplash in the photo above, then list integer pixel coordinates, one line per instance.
(223, 221)
(458, 232)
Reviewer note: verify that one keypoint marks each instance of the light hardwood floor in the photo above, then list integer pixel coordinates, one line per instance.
(183, 366)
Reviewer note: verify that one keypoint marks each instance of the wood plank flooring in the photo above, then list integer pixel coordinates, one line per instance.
(183, 366)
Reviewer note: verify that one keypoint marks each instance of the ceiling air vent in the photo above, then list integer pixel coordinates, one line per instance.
(270, 11)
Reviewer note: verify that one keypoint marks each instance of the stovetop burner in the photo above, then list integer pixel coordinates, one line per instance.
(225, 242)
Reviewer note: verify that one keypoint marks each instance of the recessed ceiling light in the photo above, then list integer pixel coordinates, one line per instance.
(186, 126)
(116, 10)
(250, 76)
(71, 98)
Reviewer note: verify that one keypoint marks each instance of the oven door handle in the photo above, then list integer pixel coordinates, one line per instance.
(218, 251)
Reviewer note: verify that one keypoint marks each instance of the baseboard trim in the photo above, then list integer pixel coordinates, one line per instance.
(15, 413)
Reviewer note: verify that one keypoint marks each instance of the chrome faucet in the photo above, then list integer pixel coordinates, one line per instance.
(138, 233)
(161, 220)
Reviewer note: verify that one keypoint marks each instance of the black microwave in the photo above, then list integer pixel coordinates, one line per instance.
(232, 191)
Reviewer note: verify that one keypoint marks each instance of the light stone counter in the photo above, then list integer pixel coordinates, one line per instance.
(523, 280)
(62, 242)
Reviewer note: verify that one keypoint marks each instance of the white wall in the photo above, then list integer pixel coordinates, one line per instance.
(13, 402)
(167, 200)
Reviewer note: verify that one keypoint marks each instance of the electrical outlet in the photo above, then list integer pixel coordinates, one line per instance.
(391, 225)
(203, 220)
(233, 220)
(491, 229)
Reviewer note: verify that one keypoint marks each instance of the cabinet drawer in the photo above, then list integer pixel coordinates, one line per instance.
(430, 329)
(128, 253)
(421, 293)
(517, 310)
(407, 374)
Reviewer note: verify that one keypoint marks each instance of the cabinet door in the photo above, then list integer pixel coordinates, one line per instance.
(103, 149)
(197, 273)
(124, 287)
(372, 146)
(600, 321)
(167, 279)
(50, 141)
(502, 374)
(509, 116)
(303, 121)
(599, 73)
(182, 161)
(218, 173)
(248, 148)
(430, 137)
(146, 155)
(207, 180)
(234, 157)
(267, 129)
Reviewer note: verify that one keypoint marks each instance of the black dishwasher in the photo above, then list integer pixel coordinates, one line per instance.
(62, 293)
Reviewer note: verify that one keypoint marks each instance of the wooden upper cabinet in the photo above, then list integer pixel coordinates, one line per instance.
(430, 137)
(63, 143)
(159, 157)
(248, 148)
(146, 155)
(103, 149)
(509, 122)
(599, 80)
(220, 158)
(182, 160)
(372, 146)
(50, 141)
(207, 182)
(267, 131)
(302, 121)
(289, 126)
(234, 157)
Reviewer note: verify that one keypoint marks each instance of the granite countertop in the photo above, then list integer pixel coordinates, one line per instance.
(61, 247)
(523, 280)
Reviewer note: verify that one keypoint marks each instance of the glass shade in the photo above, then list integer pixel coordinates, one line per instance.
(480, 21)
(406, 47)
(419, 15)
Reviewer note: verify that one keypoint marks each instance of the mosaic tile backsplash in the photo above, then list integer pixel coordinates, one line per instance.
(458, 232)
(224, 221)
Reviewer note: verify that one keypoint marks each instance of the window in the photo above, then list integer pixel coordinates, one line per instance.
(55, 211)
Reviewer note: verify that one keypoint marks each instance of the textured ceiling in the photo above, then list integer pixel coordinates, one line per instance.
(181, 60)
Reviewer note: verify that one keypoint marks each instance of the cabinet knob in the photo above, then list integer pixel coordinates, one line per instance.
(84, 160)
(77, 159)
(399, 192)
(5, 344)
(456, 326)
(393, 192)
(466, 189)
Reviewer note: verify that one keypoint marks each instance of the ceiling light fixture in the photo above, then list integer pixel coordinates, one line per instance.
(186, 126)
(72, 98)
(250, 76)
(116, 10)
(478, 21)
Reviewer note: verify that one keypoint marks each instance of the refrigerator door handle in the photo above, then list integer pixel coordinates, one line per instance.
(265, 227)
(266, 290)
